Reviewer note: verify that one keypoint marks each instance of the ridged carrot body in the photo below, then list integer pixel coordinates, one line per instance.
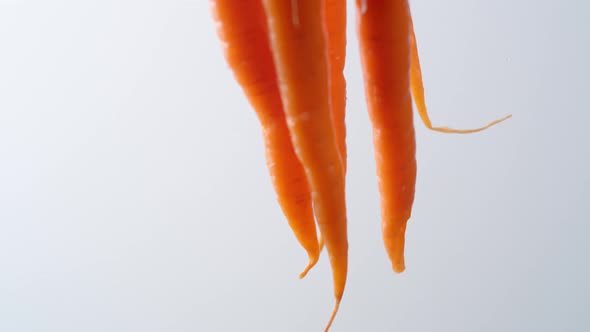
(300, 54)
(242, 28)
(384, 39)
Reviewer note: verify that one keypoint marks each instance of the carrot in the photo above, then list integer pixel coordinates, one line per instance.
(417, 88)
(335, 21)
(383, 31)
(301, 58)
(391, 69)
(243, 30)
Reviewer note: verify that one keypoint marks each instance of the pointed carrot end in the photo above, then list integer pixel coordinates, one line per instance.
(313, 259)
(399, 265)
(333, 315)
(396, 249)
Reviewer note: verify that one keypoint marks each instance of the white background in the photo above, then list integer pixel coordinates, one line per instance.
(134, 194)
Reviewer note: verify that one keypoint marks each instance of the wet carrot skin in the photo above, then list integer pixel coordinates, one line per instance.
(384, 39)
(243, 30)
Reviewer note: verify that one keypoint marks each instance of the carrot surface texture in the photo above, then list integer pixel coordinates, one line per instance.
(242, 27)
(301, 57)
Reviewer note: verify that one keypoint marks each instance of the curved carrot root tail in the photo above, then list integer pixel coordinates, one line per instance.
(417, 87)
(467, 131)
(312, 262)
(333, 315)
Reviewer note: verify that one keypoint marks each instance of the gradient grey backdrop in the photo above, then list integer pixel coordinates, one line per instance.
(134, 194)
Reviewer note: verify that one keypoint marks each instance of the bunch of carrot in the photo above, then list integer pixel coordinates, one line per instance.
(288, 56)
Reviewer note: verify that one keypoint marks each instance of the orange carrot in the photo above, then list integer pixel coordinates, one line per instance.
(391, 69)
(417, 88)
(383, 30)
(335, 20)
(301, 58)
(243, 30)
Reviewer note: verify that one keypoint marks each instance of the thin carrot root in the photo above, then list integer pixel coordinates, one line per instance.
(417, 87)
(333, 315)
(469, 131)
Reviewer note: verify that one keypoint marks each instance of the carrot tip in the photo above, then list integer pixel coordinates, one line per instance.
(399, 266)
(310, 264)
(333, 315)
